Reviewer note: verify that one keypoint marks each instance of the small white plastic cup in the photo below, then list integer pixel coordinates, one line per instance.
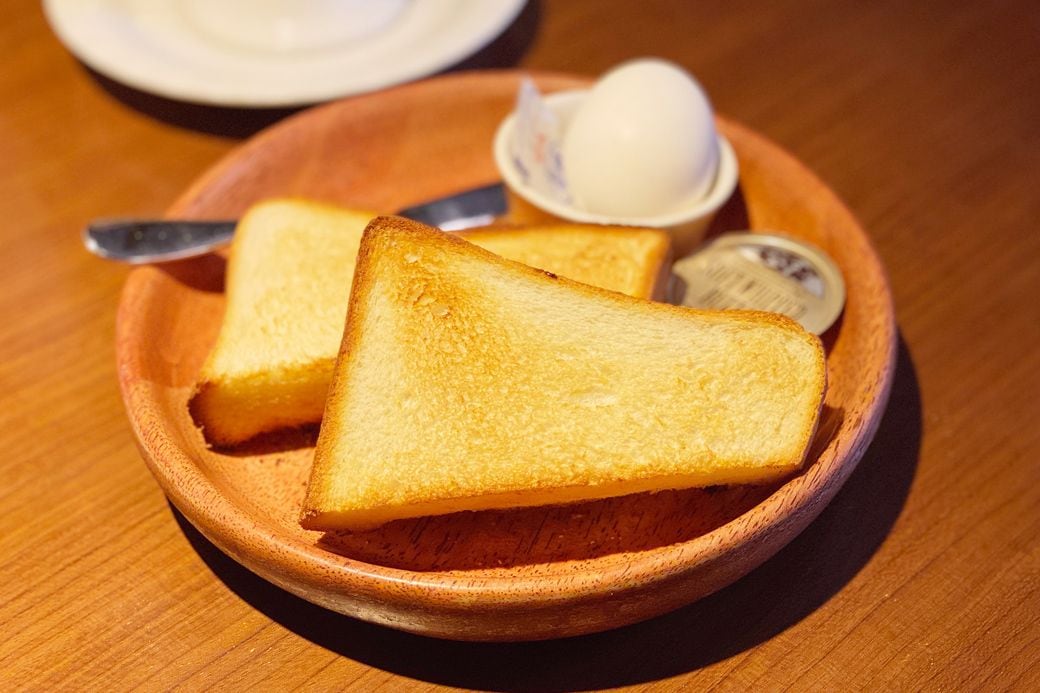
(687, 226)
(284, 26)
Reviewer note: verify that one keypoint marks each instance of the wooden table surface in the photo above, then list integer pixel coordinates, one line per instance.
(924, 573)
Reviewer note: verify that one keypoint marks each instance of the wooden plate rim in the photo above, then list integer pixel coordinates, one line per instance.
(288, 562)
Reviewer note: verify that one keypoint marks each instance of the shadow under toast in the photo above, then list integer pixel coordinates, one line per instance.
(799, 579)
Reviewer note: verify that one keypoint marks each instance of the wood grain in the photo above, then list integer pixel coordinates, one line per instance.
(923, 572)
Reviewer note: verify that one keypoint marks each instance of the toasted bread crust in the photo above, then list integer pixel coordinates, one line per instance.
(272, 363)
(633, 261)
(460, 386)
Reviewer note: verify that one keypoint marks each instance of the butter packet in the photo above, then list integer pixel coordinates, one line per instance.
(536, 144)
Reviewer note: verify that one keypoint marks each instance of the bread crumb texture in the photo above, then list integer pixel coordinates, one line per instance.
(468, 381)
(288, 284)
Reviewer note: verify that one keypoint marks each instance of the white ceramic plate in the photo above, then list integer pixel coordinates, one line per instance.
(152, 46)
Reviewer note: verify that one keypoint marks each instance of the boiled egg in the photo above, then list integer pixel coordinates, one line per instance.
(643, 143)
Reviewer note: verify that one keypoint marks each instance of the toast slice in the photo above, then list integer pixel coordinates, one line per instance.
(288, 283)
(632, 261)
(289, 272)
(466, 381)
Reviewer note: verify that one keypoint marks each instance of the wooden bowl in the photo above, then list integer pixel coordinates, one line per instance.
(503, 575)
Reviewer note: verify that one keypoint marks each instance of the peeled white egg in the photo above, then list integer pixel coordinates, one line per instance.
(643, 143)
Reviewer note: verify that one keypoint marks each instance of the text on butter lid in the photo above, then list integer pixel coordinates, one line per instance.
(763, 271)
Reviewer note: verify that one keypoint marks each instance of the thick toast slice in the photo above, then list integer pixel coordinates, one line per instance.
(632, 261)
(288, 283)
(466, 381)
(288, 275)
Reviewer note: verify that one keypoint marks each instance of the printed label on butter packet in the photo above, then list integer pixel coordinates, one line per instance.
(762, 271)
(535, 148)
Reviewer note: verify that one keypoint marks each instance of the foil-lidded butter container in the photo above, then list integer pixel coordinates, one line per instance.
(762, 271)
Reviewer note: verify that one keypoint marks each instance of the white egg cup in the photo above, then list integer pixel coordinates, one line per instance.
(686, 225)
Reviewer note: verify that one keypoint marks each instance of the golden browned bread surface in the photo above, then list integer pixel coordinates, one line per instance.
(288, 283)
(466, 381)
(632, 261)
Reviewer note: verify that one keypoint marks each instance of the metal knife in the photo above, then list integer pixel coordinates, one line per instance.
(139, 241)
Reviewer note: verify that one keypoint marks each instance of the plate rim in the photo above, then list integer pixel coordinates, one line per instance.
(61, 17)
